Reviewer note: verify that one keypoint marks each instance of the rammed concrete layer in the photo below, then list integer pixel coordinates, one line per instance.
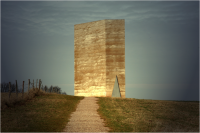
(99, 55)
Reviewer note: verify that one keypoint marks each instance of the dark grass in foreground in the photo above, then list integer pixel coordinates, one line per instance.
(43, 113)
(139, 115)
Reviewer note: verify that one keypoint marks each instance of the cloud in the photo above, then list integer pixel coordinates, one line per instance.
(54, 17)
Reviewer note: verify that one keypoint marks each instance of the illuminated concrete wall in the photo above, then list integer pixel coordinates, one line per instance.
(99, 55)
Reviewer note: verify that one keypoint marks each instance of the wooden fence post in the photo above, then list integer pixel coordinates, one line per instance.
(39, 84)
(33, 84)
(16, 88)
(4, 90)
(23, 90)
(9, 90)
(28, 85)
(36, 82)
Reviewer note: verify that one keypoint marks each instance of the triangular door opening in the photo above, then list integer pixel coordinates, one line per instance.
(116, 90)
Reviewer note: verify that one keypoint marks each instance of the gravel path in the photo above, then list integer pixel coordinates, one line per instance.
(86, 118)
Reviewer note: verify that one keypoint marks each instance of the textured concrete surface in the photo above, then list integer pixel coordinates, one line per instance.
(99, 55)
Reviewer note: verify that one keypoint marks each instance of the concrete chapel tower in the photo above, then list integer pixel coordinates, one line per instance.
(99, 58)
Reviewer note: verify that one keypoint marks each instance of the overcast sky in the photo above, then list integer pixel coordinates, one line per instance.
(161, 44)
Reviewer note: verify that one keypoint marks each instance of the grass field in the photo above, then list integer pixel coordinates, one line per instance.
(138, 115)
(51, 112)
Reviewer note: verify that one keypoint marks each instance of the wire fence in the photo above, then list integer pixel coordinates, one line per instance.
(8, 87)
